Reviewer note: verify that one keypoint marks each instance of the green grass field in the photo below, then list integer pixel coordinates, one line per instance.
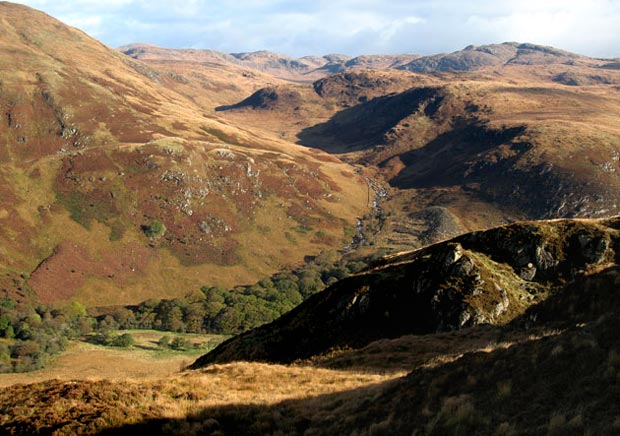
(145, 359)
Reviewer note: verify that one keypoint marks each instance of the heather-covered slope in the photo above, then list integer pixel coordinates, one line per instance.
(116, 188)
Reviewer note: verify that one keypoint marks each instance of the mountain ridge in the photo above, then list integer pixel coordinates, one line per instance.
(310, 68)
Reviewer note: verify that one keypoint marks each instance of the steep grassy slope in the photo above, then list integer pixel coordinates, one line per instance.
(488, 277)
(116, 188)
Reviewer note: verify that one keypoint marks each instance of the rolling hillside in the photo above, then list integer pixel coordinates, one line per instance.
(448, 139)
(479, 187)
(116, 188)
(108, 157)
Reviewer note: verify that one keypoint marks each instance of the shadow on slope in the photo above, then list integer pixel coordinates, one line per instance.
(454, 157)
(487, 277)
(365, 125)
(566, 382)
(589, 299)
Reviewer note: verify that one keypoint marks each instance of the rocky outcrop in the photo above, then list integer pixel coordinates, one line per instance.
(487, 277)
(474, 58)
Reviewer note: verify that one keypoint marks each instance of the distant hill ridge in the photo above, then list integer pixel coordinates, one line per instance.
(312, 67)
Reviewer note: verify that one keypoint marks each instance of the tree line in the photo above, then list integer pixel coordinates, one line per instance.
(30, 334)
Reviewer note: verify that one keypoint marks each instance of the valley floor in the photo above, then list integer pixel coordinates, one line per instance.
(86, 361)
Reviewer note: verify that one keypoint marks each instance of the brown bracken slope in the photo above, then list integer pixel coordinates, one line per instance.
(97, 148)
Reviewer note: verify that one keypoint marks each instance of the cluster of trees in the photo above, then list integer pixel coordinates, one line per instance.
(178, 343)
(113, 340)
(30, 334)
(232, 311)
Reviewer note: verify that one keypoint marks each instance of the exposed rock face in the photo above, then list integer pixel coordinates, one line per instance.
(453, 252)
(462, 267)
(528, 272)
(593, 248)
(491, 277)
(473, 58)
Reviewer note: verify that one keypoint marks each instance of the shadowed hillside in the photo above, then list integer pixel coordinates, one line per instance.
(488, 277)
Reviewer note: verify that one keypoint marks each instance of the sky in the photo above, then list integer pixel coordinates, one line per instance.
(353, 27)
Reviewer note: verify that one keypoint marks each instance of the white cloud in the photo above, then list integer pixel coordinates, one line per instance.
(89, 24)
(300, 27)
(396, 26)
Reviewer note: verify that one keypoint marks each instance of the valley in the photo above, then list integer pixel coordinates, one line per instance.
(199, 242)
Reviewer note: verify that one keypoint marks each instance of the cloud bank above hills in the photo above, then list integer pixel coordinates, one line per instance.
(354, 27)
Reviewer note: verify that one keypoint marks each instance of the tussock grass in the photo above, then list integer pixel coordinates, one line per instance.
(125, 402)
(484, 380)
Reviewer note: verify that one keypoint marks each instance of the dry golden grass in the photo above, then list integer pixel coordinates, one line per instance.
(425, 351)
(258, 398)
(91, 362)
(88, 406)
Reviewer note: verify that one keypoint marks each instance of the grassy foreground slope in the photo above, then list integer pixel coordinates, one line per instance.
(553, 369)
